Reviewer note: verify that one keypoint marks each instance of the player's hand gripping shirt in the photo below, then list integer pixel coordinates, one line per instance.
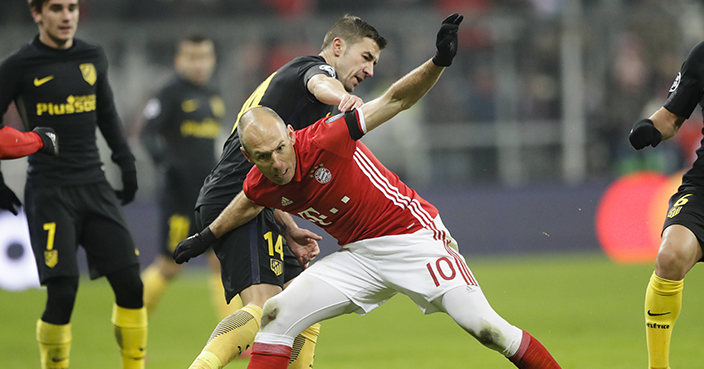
(285, 92)
(341, 187)
(686, 92)
(68, 91)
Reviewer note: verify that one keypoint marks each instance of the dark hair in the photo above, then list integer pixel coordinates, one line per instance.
(38, 4)
(353, 29)
(196, 38)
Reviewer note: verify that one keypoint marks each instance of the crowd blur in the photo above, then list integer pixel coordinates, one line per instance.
(506, 92)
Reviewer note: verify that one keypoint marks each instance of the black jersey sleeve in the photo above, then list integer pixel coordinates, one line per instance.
(157, 116)
(313, 69)
(108, 120)
(9, 82)
(687, 90)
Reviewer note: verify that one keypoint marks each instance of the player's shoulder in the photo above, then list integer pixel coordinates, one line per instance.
(304, 63)
(697, 54)
(171, 87)
(17, 58)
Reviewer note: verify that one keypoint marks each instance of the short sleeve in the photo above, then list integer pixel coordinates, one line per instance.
(686, 91)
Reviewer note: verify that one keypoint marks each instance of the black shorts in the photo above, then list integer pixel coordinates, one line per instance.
(176, 220)
(254, 253)
(687, 209)
(61, 218)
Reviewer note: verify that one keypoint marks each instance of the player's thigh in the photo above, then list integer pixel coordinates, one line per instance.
(251, 254)
(355, 275)
(52, 228)
(420, 265)
(306, 301)
(104, 233)
(683, 232)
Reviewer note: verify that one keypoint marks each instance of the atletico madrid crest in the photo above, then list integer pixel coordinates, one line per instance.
(277, 267)
(89, 73)
(51, 258)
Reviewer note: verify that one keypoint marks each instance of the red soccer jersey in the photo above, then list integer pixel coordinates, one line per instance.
(340, 186)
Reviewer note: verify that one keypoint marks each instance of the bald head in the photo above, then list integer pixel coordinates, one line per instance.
(268, 143)
(257, 120)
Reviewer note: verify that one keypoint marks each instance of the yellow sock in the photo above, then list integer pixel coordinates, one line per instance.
(303, 351)
(217, 292)
(54, 344)
(154, 286)
(131, 334)
(231, 337)
(663, 302)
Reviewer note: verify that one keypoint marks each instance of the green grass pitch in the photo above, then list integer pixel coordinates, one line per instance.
(586, 310)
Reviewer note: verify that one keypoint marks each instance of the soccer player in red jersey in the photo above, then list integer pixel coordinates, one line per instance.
(392, 239)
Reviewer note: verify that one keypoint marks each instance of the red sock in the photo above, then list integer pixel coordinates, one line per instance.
(533, 355)
(268, 356)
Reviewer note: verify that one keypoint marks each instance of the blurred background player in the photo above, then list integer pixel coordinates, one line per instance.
(61, 82)
(680, 247)
(182, 123)
(254, 261)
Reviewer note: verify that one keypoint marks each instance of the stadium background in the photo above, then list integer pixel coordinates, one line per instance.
(515, 145)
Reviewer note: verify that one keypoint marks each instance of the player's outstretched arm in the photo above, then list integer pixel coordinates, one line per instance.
(662, 125)
(330, 91)
(405, 92)
(238, 212)
(15, 144)
(302, 242)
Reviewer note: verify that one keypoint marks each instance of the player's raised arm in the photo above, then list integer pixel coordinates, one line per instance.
(238, 212)
(405, 92)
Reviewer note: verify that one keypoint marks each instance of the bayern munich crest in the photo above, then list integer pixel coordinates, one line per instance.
(323, 175)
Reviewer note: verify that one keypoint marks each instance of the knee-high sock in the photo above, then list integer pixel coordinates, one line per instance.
(217, 292)
(303, 350)
(663, 302)
(269, 356)
(231, 337)
(154, 287)
(54, 344)
(131, 334)
(533, 355)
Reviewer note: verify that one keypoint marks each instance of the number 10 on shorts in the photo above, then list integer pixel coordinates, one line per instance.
(443, 268)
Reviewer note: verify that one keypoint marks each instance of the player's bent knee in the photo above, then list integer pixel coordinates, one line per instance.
(270, 311)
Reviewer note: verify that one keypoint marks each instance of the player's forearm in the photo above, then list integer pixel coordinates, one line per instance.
(327, 90)
(403, 94)
(15, 144)
(285, 221)
(238, 212)
(666, 122)
(414, 85)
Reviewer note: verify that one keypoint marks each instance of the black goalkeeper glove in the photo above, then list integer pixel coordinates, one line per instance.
(129, 186)
(446, 42)
(49, 139)
(643, 134)
(8, 199)
(193, 246)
